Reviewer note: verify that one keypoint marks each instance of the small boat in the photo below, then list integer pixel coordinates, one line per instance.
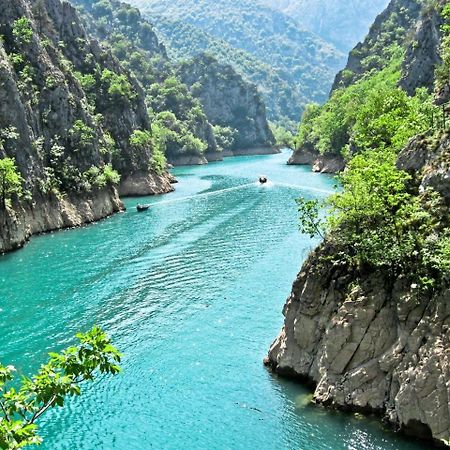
(142, 208)
(263, 180)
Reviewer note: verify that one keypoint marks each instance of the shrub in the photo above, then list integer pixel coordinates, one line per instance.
(377, 221)
(83, 134)
(23, 403)
(22, 31)
(118, 86)
(10, 181)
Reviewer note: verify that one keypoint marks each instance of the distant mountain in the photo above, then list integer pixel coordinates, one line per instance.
(343, 23)
(293, 65)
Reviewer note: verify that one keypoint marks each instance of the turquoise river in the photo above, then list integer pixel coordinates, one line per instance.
(192, 293)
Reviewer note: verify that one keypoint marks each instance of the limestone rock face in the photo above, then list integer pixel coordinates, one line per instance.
(368, 345)
(327, 163)
(428, 162)
(229, 101)
(48, 213)
(422, 55)
(370, 342)
(57, 128)
(406, 15)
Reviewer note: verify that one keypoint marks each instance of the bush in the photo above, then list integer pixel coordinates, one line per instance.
(10, 181)
(141, 139)
(101, 177)
(377, 221)
(22, 31)
(118, 86)
(372, 113)
(83, 134)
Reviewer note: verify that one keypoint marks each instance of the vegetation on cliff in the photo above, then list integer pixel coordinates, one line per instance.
(382, 218)
(370, 107)
(290, 65)
(184, 128)
(371, 113)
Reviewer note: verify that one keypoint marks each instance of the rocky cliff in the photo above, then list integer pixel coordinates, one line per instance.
(369, 344)
(229, 101)
(407, 36)
(67, 112)
(393, 27)
(370, 341)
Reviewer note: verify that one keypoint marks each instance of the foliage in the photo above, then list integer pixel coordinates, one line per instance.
(118, 86)
(10, 181)
(176, 136)
(310, 221)
(133, 41)
(22, 31)
(283, 137)
(379, 222)
(101, 177)
(342, 23)
(291, 66)
(141, 139)
(154, 141)
(83, 134)
(158, 161)
(225, 137)
(373, 113)
(443, 71)
(21, 406)
(379, 48)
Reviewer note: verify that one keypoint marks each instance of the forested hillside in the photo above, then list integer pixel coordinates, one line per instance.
(186, 40)
(302, 64)
(369, 108)
(183, 130)
(67, 119)
(343, 23)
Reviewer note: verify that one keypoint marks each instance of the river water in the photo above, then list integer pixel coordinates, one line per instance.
(191, 292)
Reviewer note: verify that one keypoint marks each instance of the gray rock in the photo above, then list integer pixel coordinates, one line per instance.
(368, 345)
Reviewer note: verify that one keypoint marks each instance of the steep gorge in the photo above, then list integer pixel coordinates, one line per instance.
(65, 143)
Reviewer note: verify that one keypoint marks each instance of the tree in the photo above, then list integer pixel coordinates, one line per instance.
(21, 407)
(310, 222)
(22, 31)
(10, 181)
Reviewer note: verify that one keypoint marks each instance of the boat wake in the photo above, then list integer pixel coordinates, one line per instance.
(266, 185)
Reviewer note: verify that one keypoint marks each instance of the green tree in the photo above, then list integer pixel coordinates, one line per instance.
(10, 180)
(310, 221)
(22, 405)
(118, 86)
(376, 220)
(22, 31)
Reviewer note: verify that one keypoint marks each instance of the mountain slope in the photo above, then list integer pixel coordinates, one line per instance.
(67, 114)
(341, 23)
(283, 100)
(382, 98)
(229, 101)
(185, 131)
(299, 58)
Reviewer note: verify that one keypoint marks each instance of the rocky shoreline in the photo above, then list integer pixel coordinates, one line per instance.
(326, 163)
(368, 344)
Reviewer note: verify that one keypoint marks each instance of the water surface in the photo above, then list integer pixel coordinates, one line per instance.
(191, 292)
